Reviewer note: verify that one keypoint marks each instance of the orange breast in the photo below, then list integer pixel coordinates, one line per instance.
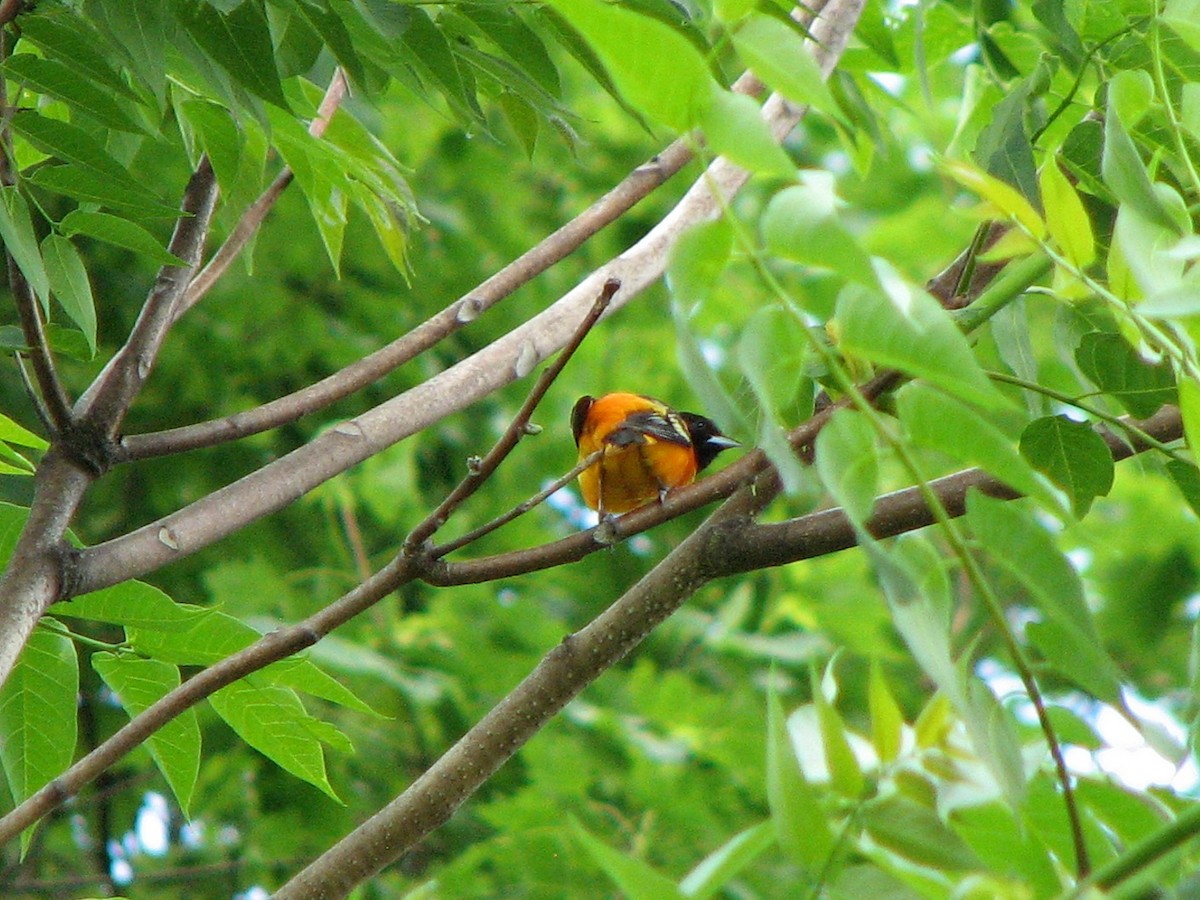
(635, 474)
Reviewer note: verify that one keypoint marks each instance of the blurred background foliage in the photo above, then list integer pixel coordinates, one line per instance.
(665, 757)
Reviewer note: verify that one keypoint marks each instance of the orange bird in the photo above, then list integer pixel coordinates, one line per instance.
(648, 447)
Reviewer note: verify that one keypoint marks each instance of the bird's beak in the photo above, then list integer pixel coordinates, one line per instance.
(721, 442)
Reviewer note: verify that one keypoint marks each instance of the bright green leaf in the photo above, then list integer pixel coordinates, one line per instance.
(16, 231)
(1066, 219)
(801, 223)
(272, 720)
(848, 464)
(1006, 199)
(69, 283)
(38, 715)
(777, 54)
(733, 126)
(719, 868)
(800, 823)
(654, 67)
(942, 423)
(887, 722)
(908, 330)
(175, 746)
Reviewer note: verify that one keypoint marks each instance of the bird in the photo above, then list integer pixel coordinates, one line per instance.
(649, 449)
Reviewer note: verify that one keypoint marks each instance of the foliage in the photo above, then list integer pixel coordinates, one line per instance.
(894, 720)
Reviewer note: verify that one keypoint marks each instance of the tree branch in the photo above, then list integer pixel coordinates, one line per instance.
(252, 219)
(281, 482)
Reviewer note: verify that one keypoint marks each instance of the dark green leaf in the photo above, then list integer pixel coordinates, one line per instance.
(1114, 367)
(70, 40)
(1071, 455)
(54, 79)
(241, 43)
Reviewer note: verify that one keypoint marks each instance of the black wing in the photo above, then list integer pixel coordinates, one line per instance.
(648, 423)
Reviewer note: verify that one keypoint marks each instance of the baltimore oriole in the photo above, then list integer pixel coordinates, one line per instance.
(649, 449)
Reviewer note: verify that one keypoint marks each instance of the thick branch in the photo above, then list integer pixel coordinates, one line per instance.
(563, 673)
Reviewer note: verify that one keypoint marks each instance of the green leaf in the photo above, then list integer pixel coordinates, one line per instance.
(12, 433)
(71, 40)
(1122, 169)
(133, 604)
(1066, 219)
(698, 260)
(120, 233)
(634, 877)
(175, 746)
(800, 823)
(84, 184)
(1187, 479)
(210, 638)
(56, 79)
(653, 66)
(769, 353)
(887, 722)
(777, 54)
(1183, 17)
(272, 720)
(429, 45)
(1003, 148)
(734, 127)
(1189, 407)
(520, 43)
(1027, 552)
(908, 330)
(917, 834)
(941, 423)
(1071, 455)
(1114, 366)
(848, 464)
(16, 230)
(141, 32)
(38, 716)
(69, 282)
(241, 43)
(845, 774)
(719, 868)
(801, 223)
(1007, 200)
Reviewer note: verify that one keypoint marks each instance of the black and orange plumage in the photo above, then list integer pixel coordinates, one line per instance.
(648, 447)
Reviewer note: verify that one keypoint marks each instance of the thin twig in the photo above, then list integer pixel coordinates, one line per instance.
(482, 470)
(252, 219)
(57, 403)
(517, 511)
